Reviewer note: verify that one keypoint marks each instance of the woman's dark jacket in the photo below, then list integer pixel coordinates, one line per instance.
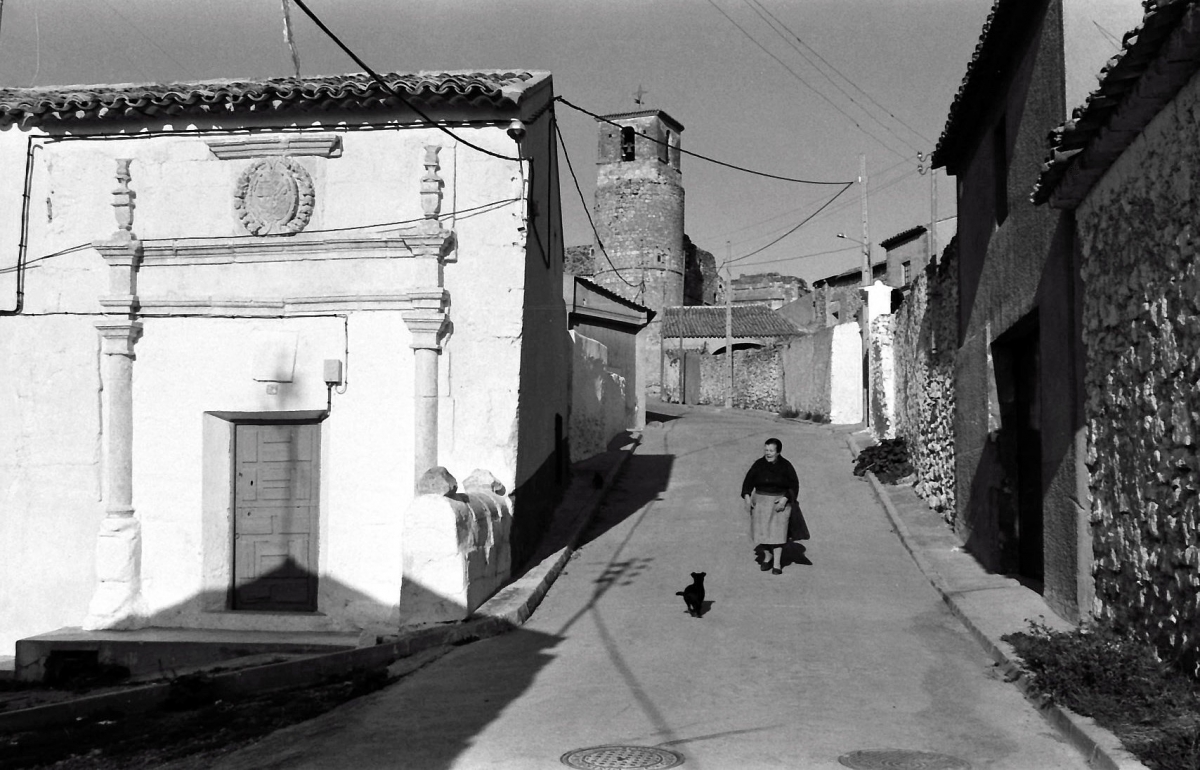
(767, 478)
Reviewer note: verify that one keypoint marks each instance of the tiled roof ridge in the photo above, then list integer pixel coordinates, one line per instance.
(903, 237)
(709, 321)
(1156, 59)
(611, 294)
(495, 88)
(986, 46)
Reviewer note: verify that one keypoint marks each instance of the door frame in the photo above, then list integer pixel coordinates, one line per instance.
(219, 506)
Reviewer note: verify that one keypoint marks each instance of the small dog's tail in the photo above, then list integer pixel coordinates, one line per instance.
(680, 593)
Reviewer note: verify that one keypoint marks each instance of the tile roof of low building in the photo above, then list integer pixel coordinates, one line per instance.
(487, 90)
(709, 321)
(985, 69)
(1157, 58)
(904, 237)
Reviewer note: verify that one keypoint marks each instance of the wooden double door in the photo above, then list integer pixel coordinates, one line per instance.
(275, 523)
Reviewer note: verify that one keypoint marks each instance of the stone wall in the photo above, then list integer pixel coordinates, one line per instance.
(598, 399)
(757, 378)
(457, 551)
(1141, 326)
(806, 362)
(923, 346)
(883, 377)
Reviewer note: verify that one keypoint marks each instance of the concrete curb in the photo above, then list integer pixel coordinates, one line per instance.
(1100, 747)
(504, 612)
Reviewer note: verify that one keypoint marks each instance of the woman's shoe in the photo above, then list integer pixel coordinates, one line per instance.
(777, 571)
(764, 566)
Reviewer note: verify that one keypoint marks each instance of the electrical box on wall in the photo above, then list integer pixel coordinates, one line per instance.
(333, 371)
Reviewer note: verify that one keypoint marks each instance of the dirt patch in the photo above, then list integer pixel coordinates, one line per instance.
(193, 728)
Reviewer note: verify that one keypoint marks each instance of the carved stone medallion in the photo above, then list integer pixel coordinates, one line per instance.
(274, 196)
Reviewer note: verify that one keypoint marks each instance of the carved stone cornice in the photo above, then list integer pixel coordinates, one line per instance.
(399, 244)
(427, 320)
(240, 148)
(118, 339)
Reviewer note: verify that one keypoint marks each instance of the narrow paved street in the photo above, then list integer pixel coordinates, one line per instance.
(849, 649)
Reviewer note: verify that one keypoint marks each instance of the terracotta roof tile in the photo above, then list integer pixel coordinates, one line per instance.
(709, 321)
(1157, 58)
(355, 91)
(984, 68)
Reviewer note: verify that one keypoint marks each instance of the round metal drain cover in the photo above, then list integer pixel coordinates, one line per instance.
(604, 757)
(901, 759)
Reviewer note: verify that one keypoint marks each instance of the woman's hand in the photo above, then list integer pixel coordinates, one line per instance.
(749, 505)
(781, 503)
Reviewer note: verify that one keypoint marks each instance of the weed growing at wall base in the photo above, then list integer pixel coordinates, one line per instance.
(1104, 673)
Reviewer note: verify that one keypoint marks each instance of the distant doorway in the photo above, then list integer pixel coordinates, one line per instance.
(275, 516)
(1018, 365)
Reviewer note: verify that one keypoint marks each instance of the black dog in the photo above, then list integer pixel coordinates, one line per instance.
(693, 595)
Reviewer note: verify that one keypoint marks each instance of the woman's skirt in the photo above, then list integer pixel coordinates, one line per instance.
(769, 519)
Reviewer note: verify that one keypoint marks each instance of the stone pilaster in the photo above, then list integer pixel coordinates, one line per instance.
(427, 322)
(117, 602)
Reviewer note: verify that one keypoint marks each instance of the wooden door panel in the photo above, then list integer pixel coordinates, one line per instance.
(275, 517)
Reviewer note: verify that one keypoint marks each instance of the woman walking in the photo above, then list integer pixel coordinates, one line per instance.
(770, 489)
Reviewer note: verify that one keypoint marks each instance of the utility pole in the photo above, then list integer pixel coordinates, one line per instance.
(933, 217)
(866, 238)
(729, 322)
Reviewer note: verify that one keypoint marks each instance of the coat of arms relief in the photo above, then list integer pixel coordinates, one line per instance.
(274, 196)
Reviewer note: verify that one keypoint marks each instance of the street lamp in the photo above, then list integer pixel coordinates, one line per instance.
(866, 266)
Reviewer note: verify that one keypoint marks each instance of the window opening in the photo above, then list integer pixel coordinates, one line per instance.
(627, 143)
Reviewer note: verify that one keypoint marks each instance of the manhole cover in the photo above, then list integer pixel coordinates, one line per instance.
(901, 759)
(604, 757)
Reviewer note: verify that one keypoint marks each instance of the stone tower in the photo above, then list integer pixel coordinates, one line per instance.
(639, 221)
(639, 208)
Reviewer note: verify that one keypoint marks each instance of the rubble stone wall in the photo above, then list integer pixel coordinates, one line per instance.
(1138, 238)
(923, 346)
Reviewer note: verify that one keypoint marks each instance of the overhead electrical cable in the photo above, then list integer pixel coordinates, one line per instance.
(460, 214)
(791, 211)
(696, 154)
(804, 82)
(804, 256)
(407, 103)
(142, 32)
(924, 139)
(800, 224)
(578, 189)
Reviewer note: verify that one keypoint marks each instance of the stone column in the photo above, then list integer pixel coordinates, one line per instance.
(426, 321)
(117, 602)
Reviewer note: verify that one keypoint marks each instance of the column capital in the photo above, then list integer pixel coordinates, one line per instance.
(118, 339)
(427, 328)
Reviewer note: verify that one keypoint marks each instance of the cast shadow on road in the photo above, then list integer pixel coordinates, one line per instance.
(793, 553)
(642, 481)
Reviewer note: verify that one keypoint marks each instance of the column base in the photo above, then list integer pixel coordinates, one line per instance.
(117, 603)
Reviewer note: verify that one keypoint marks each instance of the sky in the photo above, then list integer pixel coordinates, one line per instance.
(744, 77)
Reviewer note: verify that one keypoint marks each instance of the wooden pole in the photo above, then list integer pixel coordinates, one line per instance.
(729, 323)
(287, 36)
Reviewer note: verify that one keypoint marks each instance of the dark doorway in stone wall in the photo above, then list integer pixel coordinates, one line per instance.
(1016, 359)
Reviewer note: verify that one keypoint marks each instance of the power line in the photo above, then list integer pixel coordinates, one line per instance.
(142, 32)
(794, 229)
(842, 75)
(375, 76)
(804, 82)
(459, 213)
(799, 208)
(804, 256)
(575, 179)
(696, 154)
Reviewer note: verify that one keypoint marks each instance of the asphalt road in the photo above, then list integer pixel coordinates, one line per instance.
(849, 649)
